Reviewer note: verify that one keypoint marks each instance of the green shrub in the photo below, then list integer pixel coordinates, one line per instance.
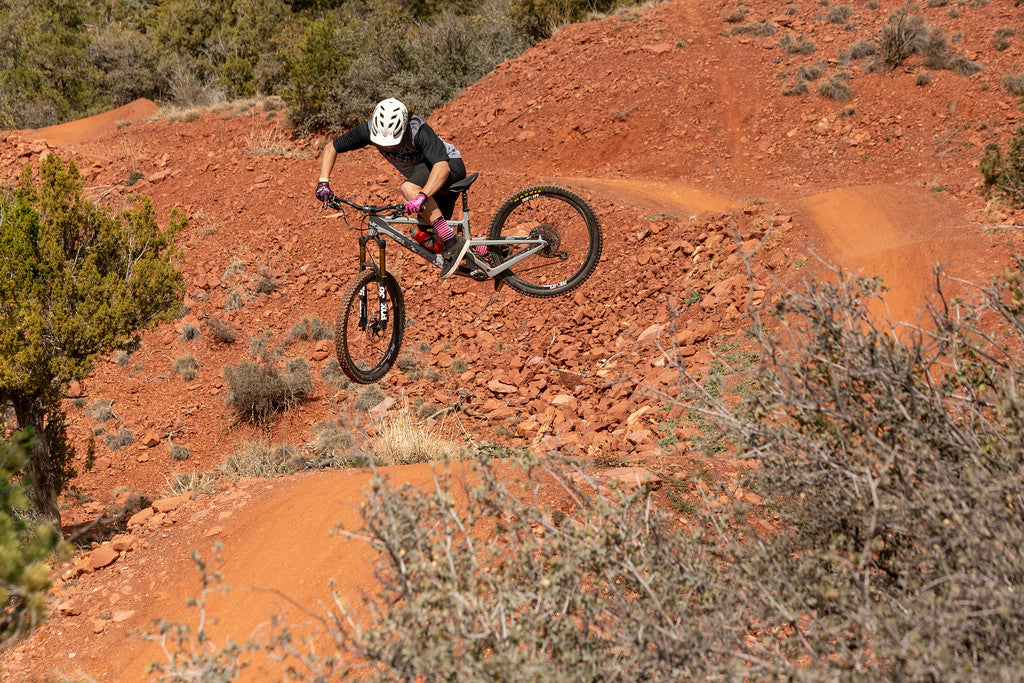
(1005, 173)
(76, 283)
(25, 546)
(539, 19)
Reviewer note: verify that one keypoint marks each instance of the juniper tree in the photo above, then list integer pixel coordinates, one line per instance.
(25, 547)
(75, 281)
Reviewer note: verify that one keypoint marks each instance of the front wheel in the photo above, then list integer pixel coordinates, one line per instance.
(368, 333)
(569, 228)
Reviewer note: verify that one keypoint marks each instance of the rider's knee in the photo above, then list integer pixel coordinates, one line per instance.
(410, 190)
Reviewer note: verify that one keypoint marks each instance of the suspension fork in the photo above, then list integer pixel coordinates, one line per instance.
(381, 268)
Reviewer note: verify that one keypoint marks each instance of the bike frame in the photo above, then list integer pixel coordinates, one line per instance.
(380, 225)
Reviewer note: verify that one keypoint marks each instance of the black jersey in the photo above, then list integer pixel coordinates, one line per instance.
(420, 144)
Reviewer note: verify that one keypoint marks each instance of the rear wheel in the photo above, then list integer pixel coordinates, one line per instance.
(565, 222)
(368, 333)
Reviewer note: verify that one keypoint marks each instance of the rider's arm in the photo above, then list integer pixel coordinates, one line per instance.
(353, 139)
(436, 179)
(433, 150)
(327, 161)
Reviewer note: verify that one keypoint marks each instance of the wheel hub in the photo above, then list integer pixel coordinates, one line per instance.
(549, 234)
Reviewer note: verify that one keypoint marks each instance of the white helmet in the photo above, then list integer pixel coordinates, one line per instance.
(388, 123)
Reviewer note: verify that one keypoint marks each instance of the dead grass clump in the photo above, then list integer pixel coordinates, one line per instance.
(1014, 84)
(796, 46)
(123, 437)
(837, 88)
(180, 483)
(333, 375)
(189, 332)
(102, 410)
(261, 459)
(839, 14)
(757, 28)
(178, 453)
(368, 397)
(311, 327)
(258, 392)
(234, 300)
(221, 330)
(187, 367)
(403, 440)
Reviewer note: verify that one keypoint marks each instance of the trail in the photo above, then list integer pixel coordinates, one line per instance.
(901, 233)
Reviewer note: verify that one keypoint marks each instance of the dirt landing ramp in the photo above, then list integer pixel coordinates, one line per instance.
(900, 233)
(83, 129)
(659, 196)
(279, 552)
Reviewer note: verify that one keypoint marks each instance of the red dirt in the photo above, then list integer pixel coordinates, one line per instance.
(680, 138)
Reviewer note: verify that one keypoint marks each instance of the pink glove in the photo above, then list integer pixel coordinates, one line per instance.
(416, 203)
(323, 191)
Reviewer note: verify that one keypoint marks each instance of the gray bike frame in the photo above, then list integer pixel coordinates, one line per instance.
(382, 225)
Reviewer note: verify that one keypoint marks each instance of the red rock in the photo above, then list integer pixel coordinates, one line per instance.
(102, 557)
(165, 505)
(500, 387)
(631, 477)
(140, 517)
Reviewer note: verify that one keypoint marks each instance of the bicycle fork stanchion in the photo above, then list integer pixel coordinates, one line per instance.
(382, 290)
(362, 294)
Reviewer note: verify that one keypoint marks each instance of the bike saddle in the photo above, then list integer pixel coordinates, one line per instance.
(463, 184)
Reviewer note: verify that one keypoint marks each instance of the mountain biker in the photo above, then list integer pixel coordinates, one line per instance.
(430, 166)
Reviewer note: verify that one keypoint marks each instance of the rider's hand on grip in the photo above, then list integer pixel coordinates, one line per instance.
(323, 192)
(415, 204)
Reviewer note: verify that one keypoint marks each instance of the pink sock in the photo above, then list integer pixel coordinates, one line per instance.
(442, 229)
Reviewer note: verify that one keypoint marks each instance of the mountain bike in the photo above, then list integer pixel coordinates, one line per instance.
(543, 241)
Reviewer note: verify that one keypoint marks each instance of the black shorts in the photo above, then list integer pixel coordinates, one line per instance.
(444, 197)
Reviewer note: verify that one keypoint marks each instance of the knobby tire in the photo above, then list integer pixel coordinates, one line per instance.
(556, 214)
(366, 355)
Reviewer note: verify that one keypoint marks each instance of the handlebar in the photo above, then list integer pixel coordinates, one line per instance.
(336, 202)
